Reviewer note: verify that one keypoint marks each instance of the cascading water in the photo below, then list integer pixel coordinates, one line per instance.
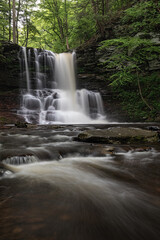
(66, 190)
(26, 69)
(51, 95)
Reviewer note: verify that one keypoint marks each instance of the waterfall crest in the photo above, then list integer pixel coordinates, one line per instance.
(51, 96)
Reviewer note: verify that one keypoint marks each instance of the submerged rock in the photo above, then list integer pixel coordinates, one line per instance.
(116, 135)
(21, 124)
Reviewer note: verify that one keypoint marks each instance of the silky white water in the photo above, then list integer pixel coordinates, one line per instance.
(52, 96)
(96, 182)
(26, 68)
(62, 189)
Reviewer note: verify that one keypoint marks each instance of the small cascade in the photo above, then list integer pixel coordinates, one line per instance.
(51, 96)
(17, 160)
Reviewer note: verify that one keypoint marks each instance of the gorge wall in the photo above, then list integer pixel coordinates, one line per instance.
(9, 82)
(90, 74)
(93, 72)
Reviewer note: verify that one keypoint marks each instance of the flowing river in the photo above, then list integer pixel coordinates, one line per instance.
(53, 187)
(62, 189)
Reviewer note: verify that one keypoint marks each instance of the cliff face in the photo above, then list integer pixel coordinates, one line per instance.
(90, 74)
(93, 75)
(9, 82)
(9, 66)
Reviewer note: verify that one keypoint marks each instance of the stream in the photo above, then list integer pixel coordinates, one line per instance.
(63, 189)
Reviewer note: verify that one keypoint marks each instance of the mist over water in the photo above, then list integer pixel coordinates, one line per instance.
(51, 95)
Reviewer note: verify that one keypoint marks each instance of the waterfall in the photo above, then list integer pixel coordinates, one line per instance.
(51, 96)
(25, 62)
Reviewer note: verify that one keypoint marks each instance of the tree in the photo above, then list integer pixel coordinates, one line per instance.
(4, 7)
(25, 14)
(53, 15)
(132, 79)
(17, 19)
(63, 24)
(9, 20)
(82, 25)
(66, 23)
(14, 21)
(98, 15)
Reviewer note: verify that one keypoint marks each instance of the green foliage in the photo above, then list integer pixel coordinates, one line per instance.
(3, 20)
(130, 54)
(144, 16)
(57, 23)
(27, 27)
(134, 85)
(82, 25)
(129, 59)
(131, 100)
(61, 22)
(119, 4)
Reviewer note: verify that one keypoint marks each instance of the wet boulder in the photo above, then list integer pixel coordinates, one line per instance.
(118, 135)
(31, 102)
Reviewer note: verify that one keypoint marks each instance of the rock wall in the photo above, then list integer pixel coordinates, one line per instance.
(9, 66)
(9, 82)
(92, 76)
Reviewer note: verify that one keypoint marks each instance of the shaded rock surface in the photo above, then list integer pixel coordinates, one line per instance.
(9, 66)
(92, 74)
(9, 82)
(116, 135)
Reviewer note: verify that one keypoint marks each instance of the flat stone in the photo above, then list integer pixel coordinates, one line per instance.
(116, 135)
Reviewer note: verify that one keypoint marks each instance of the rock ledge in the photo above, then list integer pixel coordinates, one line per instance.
(116, 135)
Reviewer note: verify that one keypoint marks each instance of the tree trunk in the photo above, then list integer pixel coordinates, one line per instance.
(99, 23)
(18, 10)
(27, 35)
(59, 20)
(67, 43)
(141, 95)
(9, 37)
(14, 22)
(103, 8)
(66, 24)
(3, 33)
(107, 6)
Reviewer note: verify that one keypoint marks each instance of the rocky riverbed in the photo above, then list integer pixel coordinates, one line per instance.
(67, 189)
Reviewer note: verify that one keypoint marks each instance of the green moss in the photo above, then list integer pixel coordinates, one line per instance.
(3, 120)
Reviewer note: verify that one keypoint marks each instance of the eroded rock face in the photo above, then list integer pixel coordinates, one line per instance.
(9, 66)
(116, 135)
(93, 75)
(9, 82)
